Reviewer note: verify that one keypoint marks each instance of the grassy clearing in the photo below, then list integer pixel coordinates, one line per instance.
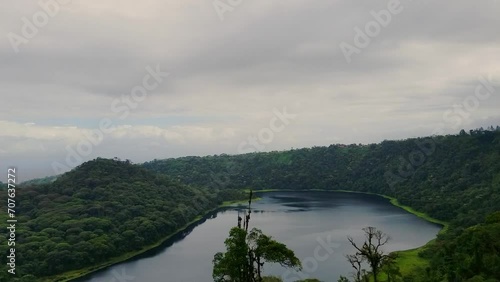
(408, 261)
(396, 203)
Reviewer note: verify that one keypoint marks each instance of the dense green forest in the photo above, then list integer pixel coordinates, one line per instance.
(454, 178)
(101, 210)
(457, 179)
(40, 181)
(105, 209)
(470, 255)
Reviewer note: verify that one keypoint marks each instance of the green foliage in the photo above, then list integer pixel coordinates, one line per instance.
(372, 254)
(233, 263)
(343, 279)
(101, 210)
(457, 181)
(277, 279)
(271, 279)
(104, 208)
(247, 252)
(453, 178)
(269, 250)
(40, 181)
(473, 255)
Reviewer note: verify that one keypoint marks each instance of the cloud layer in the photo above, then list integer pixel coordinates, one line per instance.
(228, 76)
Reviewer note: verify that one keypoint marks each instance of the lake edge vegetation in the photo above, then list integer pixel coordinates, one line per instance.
(458, 181)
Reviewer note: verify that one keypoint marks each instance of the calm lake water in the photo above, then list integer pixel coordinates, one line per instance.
(313, 224)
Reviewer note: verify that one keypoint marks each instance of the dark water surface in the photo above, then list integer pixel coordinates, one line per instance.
(313, 224)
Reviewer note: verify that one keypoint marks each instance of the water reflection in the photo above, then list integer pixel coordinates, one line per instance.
(299, 219)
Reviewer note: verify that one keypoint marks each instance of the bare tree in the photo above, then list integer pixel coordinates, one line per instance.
(356, 261)
(371, 252)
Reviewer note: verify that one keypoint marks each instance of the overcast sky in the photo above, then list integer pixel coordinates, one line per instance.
(233, 65)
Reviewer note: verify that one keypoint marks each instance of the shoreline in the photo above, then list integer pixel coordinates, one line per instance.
(392, 200)
(408, 255)
(74, 275)
(408, 260)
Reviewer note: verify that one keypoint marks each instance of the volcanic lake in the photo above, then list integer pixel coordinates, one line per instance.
(313, 224)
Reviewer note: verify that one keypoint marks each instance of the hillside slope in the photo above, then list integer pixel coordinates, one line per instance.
(458, 180)
(454, 178)
(100, 210)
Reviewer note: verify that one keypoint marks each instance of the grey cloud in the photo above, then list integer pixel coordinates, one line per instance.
(264, 54)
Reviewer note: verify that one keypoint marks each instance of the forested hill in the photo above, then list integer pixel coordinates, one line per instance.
(453, 178)
(40, 181)
(100, 210)
(105, 209)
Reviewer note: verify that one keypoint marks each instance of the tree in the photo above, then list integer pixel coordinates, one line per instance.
(246, 253)
(390, 268)
(232, 265)
(98, 212)
(265, 249)
(356, 262)
(371, 252)
(343, 279)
